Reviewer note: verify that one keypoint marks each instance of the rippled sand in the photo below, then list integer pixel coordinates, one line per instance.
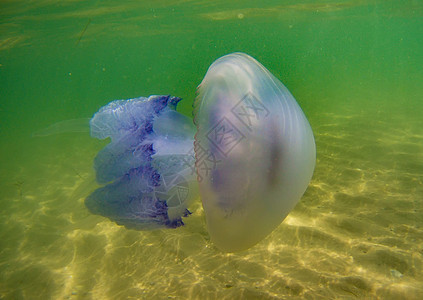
(357, 232)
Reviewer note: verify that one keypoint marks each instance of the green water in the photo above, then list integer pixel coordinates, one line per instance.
(356, 69)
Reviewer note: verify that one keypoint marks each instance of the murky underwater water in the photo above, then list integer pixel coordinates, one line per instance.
(353, 66)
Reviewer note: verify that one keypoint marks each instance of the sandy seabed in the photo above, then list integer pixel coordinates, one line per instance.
(356, 233)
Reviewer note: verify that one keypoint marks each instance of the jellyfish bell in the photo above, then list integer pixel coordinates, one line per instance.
(255, 151)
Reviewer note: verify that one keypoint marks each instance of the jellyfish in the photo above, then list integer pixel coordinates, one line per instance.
(249, 154)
